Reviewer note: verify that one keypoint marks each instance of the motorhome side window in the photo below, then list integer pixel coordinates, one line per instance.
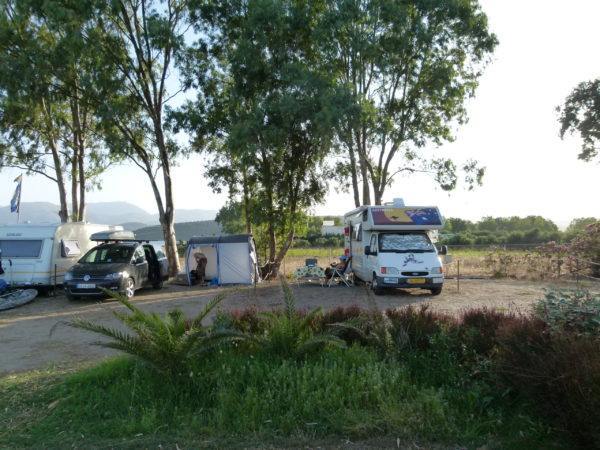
(373, 243)
(70, 249)
(20, 248)
(405, 242)
(357, 234)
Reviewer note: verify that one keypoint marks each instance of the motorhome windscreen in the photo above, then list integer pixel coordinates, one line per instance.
(20, 248)
(109, 254)
(405, 242)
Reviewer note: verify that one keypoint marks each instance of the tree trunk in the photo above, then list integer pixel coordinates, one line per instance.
(167, 219)
(246, 202)
(353, 173)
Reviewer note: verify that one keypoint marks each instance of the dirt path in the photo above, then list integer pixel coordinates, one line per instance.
(26, 342)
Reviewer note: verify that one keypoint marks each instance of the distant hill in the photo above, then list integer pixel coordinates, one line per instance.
(34, 212)
(110, 213)
(184, 231)
(132, 226)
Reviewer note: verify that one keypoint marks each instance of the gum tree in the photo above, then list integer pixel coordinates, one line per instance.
(410, 66)
(48, 126)
(272, 114)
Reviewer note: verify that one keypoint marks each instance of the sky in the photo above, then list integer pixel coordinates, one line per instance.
(546, 47)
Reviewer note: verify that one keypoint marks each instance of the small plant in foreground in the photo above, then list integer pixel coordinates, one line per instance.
(576, 312)
(167, 344)
(558, 373)
(413, 328)
(289, 333)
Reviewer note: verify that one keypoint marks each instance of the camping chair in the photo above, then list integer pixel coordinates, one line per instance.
(342, 274)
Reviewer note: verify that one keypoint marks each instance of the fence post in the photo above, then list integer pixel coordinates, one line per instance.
(458, 275)
(577, 270)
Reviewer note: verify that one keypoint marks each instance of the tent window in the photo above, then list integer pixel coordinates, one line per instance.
(21, 248)
(70, 248)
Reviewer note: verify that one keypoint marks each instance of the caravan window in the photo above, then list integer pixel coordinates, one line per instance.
(70, 249)
(20, 248)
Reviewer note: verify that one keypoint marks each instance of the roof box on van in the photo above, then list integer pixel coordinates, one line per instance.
(113, 236)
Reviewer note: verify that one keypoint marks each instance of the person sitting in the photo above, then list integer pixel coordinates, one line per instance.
(340, 265)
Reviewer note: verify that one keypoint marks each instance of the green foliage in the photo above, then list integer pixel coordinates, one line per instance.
(168, 343)
(289, 333)
(574, 312)
(581, 115)
(384, 51)
(557, 373)
(580, 224)
(586, 245)
(242, 398)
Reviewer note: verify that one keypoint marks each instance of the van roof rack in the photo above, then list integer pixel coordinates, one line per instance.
(114, 236)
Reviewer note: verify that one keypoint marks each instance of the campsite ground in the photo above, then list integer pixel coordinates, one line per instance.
(34, 336)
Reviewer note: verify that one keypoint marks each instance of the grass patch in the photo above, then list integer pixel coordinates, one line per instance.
(350, 394)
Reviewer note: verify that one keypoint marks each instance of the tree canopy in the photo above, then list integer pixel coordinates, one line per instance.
(580, 114)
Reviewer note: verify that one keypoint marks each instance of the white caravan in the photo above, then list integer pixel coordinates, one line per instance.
(38, 255)
(392, 246)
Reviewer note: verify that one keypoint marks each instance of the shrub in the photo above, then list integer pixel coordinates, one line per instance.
(301, 243)
(247, 320)
(289, 333)
(558, 373)
(586, 245)
(353, 323)
(413, 328)
(479, 329)
(168, 343)
(576, 312)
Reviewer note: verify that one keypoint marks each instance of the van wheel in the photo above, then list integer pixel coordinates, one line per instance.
(72, 297)
(129, 288)
(436, 291)
(377, 290)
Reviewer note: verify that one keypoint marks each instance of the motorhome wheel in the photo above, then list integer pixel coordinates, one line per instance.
(377, 290)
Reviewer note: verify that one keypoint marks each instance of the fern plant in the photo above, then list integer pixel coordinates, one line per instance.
(168, 343)
(289, 333)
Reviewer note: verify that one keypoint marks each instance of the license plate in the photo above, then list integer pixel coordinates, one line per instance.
(390, 280)
(416, 280)
(86, 286)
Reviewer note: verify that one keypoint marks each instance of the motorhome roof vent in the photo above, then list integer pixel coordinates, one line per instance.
(113, 236)
(399, 202)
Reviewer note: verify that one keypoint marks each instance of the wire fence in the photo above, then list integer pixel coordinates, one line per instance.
(500, 262)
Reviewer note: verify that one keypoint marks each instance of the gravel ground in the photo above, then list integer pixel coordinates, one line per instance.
(27, 343)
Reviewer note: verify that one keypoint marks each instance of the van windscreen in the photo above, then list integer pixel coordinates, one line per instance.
(405, 242)
(20, 248)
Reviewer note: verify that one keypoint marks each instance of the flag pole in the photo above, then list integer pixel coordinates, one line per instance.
(15, 203)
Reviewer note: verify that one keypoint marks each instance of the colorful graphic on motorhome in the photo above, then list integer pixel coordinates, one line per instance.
(406, 216)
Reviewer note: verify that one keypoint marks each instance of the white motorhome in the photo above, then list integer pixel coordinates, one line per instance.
(392, 246)
(38, 255)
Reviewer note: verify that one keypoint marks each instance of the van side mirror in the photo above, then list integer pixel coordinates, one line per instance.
(368, 250)
(443, 250)
(139, 260)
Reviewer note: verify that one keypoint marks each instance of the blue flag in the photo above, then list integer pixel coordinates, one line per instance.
(15, 203)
